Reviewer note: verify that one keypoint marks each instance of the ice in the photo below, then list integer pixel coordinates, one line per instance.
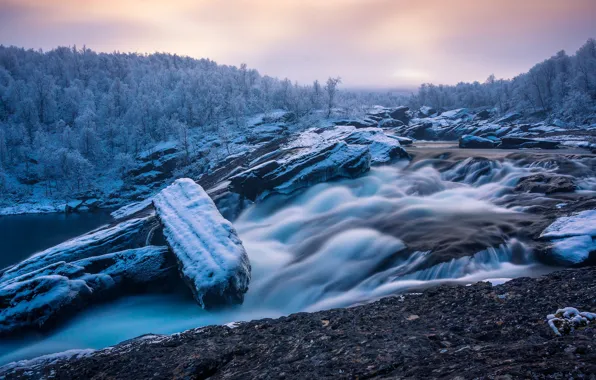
(211, 258)
(575, 249)
(581, 223)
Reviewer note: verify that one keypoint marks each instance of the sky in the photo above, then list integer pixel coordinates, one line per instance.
(368, 43)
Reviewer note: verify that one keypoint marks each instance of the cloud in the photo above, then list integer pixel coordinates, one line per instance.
(381, 43)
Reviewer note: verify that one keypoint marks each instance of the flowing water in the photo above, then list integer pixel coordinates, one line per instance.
(342, 243)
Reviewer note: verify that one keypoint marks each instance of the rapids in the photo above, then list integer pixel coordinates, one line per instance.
(398, 228)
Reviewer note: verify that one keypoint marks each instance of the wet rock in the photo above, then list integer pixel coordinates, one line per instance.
(519, 143)
(547, 184)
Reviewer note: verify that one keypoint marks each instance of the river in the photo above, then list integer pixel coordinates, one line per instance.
(334, 245)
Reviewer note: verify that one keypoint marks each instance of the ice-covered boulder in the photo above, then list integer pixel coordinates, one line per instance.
(210, 255)
(40, 299)
(128, 234)
(476, 142)
(318, 164)
(573, 238)
(383, 148)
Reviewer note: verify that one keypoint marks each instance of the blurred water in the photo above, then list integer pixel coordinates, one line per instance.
(336, 244)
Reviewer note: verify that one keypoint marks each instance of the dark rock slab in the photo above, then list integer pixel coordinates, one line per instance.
(519, 143)
(317, 165)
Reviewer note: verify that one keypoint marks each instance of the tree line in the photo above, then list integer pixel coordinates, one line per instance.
(562, 86)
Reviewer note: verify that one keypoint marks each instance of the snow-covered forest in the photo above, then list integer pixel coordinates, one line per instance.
(68, 114)
(73, 120)
(562, 86)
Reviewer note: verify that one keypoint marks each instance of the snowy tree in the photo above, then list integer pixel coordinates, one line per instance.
(331, 90)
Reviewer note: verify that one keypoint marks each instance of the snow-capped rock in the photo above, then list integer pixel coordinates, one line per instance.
(39, 299)
(383, 148)
(318, 164)
(581, 223)
(211, 258)
(129, 234)
(573, 238)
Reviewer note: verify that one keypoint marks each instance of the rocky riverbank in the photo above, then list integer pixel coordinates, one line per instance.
(476, 331)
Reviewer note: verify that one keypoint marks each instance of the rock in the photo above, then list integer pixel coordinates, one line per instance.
(426, 111)
(40, 299)
(480, 336)
(482, 115)
(547, 184)
(519, 143)
(211, 259)
(390, 123)
(383, 148)
(401, 113)
(573, 239)
(475, 142)
(357, 123)
(319, 164)
(507, 118)
(403, 140)
(129, 234)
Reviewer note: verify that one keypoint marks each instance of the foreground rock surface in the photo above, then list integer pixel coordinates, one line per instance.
(478, 331)
(210, 255)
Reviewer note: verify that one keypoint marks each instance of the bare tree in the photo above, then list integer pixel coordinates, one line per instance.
(331, 88)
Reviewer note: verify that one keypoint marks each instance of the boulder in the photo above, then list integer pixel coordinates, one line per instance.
(546, 184)
(572, 239)
(520, 143)
(38, 300)
(211, 259)
(482, 115)
(319, 164)
(476, 142)
(426, 111)
(383, 148)
(401, 113)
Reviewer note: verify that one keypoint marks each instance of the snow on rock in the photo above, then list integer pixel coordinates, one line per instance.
(210, 255)
(469, 141)
(581, 223)
(568, 319)
(383, 148)
(129, 234)
(39, 299)
(131, 209)
(573, 250)
(318, 164)
(573, 238)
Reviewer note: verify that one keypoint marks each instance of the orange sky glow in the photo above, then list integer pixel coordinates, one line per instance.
(369, 43)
